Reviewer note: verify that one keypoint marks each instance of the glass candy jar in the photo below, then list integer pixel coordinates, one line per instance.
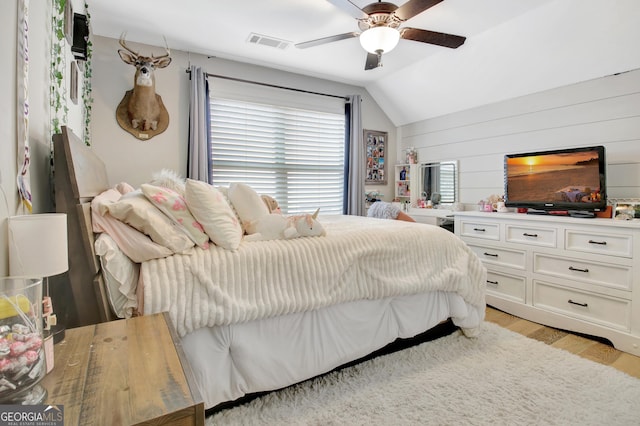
(22, 358)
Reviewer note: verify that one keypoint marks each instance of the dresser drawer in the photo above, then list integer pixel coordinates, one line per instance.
(500, 256)
(545, 237)
(507, 286)
(487, 231)
(614, 276)
(608, 244)
(608, 311)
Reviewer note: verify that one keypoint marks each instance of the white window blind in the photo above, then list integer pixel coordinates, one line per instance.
(292, 154)
(447, 184)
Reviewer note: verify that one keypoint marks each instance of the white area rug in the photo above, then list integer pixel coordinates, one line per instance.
(500, 378)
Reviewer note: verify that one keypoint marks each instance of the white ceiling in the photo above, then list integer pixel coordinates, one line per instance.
(513, 47)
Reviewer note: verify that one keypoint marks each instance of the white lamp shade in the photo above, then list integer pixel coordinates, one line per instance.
(382, 39)
(38, 245)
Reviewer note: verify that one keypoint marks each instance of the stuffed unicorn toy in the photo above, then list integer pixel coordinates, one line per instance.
(274, 226)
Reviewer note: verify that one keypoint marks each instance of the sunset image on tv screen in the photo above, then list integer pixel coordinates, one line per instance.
(566, 177)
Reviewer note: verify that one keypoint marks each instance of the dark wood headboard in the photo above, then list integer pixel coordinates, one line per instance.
(79, 176)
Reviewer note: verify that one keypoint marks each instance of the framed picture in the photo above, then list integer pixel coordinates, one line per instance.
(73, 82)
(68, 22)
(375, 152)
(626, 209)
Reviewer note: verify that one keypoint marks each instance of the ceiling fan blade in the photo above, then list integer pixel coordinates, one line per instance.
(432, 37)
(350, 8)
(373, 61)
(414, 7)
(325, 40)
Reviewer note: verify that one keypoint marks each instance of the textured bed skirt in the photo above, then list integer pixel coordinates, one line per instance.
(232, 361)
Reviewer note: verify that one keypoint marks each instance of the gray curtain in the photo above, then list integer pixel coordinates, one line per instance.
(355, 159)
(199, 153)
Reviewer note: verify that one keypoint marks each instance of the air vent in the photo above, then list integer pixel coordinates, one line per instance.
(268, 41)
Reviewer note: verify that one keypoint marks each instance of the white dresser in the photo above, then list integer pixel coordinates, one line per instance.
(575, 274)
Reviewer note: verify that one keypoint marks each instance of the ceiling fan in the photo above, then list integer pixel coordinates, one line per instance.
(380, 24)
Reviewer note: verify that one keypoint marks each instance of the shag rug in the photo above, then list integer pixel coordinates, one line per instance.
(500, 378)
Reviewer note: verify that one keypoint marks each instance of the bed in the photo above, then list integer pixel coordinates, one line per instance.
(273, 313)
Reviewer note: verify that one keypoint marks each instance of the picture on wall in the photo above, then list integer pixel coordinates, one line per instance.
(73, 82)
(68, 22)
(375, 152)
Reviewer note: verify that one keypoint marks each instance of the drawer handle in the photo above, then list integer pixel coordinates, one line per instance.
(480, 229)
(602, 243)
(571, 268)
(490, 254)
(492, 282)
(530, 235)
(584, 305)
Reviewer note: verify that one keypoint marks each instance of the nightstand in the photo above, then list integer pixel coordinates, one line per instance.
(124, 372)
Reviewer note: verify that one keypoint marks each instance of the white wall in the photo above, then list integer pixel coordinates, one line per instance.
(8, 134)
(134, 161)
(603, 111)
(39, 118)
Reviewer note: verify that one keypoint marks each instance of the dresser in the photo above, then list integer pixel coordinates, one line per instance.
(581, 275)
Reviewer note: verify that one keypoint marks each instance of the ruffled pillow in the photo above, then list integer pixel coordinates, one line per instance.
(209, 206)
(120, 275)
(175, 207)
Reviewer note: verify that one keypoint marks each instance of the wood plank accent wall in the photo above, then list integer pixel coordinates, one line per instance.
(604, 111)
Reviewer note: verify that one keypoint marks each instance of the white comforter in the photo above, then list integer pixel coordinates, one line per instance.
(359, 258)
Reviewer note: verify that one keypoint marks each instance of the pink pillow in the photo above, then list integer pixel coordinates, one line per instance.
(175, 207)
(124, 188)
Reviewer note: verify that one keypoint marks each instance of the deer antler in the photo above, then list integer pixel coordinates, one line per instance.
(167, 49)
(123, 44)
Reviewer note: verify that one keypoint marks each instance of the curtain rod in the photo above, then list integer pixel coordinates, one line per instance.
(271, 85)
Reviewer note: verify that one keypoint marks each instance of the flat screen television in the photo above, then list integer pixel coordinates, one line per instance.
(572, 180)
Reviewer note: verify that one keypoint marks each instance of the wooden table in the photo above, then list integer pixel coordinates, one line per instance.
(124, 372)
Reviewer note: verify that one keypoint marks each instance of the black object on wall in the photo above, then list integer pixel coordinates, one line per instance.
(80, 36)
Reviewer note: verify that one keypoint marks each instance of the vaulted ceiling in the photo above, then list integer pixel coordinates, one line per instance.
(512, 48)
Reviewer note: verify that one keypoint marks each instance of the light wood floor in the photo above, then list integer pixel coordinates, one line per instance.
(580, 345)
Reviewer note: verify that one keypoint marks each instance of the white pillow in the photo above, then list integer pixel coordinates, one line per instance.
(134, 209)
(175, 207)
(211, 209)
(247, 204)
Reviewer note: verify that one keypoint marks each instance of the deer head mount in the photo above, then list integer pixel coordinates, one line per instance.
(141, 111)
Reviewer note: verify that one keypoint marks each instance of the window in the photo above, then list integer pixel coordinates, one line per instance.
(293, 154)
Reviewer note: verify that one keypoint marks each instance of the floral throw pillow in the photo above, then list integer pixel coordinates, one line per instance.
(175, 207)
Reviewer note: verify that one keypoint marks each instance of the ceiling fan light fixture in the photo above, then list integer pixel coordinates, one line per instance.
(379, 39)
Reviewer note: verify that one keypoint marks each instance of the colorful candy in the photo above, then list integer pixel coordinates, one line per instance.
(21, 358)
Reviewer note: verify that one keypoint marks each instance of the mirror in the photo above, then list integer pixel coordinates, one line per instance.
(439, 182)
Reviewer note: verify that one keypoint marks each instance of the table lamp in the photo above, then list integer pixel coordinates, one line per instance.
(38, 249)
(38, 245)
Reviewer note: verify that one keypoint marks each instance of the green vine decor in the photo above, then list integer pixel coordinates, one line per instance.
(58, 92)
(87, 99)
